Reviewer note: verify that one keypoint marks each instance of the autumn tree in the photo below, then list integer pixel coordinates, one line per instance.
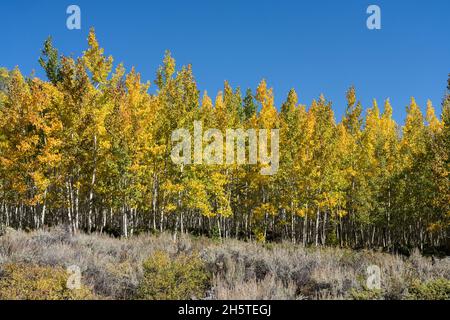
(90, 147)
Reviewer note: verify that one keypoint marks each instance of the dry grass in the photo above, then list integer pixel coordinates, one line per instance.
(113, 267)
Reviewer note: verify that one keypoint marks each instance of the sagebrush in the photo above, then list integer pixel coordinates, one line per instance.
(151, 267)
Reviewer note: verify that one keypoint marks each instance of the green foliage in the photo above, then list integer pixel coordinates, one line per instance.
(215, 233)
(250, 106)
(180, 278)
(366, 294)
(50, 61)
(437, 289)
(29, 282)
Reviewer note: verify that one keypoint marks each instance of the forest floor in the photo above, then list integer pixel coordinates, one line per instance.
(113, 268)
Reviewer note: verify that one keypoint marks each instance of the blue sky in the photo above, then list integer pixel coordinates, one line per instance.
(313, 46)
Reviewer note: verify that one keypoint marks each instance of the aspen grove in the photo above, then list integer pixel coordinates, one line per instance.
(90, 148)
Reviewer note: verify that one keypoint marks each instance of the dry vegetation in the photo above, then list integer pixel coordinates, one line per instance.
(145, 266)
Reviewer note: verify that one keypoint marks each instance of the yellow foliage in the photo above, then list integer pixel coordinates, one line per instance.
(180, 278)
(27, 282)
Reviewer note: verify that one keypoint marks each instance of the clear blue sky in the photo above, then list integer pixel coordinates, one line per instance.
(313, 46)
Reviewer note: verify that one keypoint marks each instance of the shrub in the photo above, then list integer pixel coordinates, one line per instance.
(270, 288)
(366, 294)
(438, 289)
(29, 282)
(113, 268)
(180, 278)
